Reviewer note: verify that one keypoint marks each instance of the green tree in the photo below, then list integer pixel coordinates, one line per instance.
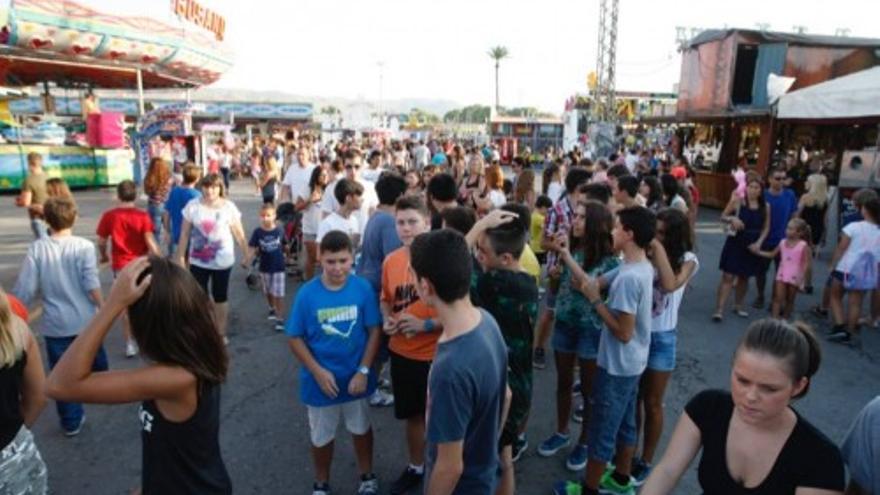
(497, 53)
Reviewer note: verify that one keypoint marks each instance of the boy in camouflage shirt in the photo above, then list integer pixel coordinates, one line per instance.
(510, 295)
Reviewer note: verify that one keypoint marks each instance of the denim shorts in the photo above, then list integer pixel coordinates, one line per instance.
(550, 299)
(613, 414)
(661, 355)
(582, 341)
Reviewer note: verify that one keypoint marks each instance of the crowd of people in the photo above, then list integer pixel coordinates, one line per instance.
(426, 263)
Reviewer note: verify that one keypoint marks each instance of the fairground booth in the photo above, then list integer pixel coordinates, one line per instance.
(63, 50)
(514, 134)
(730, 80)
(837, 123)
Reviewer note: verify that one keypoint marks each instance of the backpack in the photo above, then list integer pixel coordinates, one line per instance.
(862, 274)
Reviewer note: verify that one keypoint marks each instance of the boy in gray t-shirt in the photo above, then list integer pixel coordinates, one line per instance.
(63, 268)
(623, 355)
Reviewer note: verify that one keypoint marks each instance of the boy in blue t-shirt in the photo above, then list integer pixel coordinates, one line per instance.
(172, 218)
(267, 241)
(334, 333)
(622, 357)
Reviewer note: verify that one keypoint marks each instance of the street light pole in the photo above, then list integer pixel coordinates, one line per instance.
(381, 65)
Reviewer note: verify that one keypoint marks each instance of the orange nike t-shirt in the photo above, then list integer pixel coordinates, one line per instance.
(399, 293)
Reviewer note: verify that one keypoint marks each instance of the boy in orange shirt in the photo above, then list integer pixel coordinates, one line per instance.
(414, 330)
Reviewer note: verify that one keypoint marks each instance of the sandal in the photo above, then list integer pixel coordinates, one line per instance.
(717, 318)
(741, 313)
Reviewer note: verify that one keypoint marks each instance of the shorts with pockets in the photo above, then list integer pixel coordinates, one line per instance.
(572, 340)
(661, 354)
(613, 414)
(324, 420)
(273, 283)
(409, 380)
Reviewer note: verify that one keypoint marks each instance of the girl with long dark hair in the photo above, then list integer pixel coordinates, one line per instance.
(586, 251)
(675, 262)
(747, 221)
(179, 387)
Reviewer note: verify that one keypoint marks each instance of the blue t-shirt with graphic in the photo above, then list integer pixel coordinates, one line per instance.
(269, 244)
(177, 199)
(334, 324)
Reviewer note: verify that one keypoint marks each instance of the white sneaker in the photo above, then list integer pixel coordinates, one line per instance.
(381, 398)
(131, 349)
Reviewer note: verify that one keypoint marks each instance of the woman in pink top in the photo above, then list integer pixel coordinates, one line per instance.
(795, 256)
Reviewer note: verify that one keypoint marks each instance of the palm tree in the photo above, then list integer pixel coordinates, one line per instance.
(497, 53)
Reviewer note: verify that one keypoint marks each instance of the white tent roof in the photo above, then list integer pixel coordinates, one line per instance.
(851, 96)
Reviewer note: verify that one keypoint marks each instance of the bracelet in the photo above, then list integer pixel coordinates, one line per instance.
(597, 302)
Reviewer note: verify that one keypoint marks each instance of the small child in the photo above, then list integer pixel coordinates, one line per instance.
(795, 257)
(855, 265)
(349, 195)
(130, 232)
(536, 227)
(267, 240)
(63, 268)
(510, 295)
(334, 333)
(172, 218)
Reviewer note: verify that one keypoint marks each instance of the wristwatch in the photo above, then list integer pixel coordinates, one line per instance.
(364, 370)
(429, 325)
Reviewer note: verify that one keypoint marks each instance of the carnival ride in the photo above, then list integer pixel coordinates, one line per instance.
(75, 46)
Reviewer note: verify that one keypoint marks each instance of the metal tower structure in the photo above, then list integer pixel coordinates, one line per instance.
(606, 61)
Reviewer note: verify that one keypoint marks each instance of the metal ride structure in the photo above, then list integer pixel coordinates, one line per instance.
(604, 108)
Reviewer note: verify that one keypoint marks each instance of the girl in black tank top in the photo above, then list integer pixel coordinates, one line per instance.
(179, 391)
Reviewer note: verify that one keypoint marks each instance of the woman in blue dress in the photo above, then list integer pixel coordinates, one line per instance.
(747, 221)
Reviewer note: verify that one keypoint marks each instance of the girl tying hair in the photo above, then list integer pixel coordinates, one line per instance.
(675, 265)
(752, 440)
(179, 387)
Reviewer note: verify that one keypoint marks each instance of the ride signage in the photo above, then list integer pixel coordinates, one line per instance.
(196, 13)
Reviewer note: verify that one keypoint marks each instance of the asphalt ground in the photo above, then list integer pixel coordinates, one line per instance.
(264, 429)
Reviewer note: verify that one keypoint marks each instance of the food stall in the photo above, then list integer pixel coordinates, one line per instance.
(71, 45)
(839, 123)
(724, 83)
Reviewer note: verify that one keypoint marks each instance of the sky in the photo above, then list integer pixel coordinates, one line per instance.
(438, 49)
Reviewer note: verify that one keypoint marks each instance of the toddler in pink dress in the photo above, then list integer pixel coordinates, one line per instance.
(793, 255)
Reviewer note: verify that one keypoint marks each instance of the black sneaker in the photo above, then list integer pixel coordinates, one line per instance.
(320, 489)
(519, 446)
(408, 480)
(539, 360)
(578, 415)
(840, 337)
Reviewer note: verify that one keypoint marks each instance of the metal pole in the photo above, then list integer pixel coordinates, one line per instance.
(140, 88)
